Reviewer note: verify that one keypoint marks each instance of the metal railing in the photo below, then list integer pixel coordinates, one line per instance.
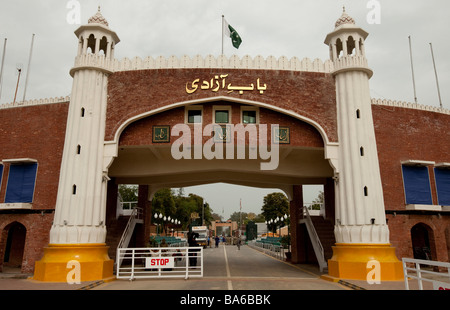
(164, 262)
(426, 275)
(135, 217)
(277, 251)
(136, 214)
(126, 207)
(317, 245)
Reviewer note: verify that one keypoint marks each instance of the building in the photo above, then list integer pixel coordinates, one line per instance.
(384, 165)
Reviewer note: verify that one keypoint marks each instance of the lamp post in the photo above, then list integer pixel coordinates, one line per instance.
(157, 216)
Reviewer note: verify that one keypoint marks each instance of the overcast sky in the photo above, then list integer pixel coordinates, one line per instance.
(268, 28)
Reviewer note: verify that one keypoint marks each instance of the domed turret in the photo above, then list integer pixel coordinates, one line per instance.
(96, 37)
(98, 19)
(344, 19)
(346, 44)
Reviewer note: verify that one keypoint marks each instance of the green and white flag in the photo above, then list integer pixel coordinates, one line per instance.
(232, 33)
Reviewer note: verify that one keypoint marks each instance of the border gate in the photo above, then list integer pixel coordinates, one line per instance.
(165, 262)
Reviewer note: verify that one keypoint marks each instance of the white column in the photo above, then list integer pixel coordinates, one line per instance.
(360, 218)
(80, 217)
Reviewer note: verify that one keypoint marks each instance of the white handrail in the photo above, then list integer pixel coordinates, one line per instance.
(128, 231)
(418, 271)
(317, 245)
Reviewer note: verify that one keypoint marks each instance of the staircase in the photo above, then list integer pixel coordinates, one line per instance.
(114, 233)
(321, 233)
(325, 231)
(121, 230)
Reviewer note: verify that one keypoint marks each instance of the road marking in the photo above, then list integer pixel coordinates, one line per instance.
(284, 262)
(230, 285)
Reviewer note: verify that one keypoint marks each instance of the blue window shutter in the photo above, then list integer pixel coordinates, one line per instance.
(21, 183)
(1, 173)
(442, 177)
(417, 185)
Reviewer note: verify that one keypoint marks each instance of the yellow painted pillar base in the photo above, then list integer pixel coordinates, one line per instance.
(94, 262)
(350, 261)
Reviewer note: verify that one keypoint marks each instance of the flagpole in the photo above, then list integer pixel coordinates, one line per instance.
(222, 32)
(435, 73)
(412, 69)
(28, 69)
(1, 70)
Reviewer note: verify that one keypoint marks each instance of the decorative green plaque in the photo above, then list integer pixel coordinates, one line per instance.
(161, 134)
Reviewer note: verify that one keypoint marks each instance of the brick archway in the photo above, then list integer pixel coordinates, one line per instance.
(141, 160)
(12, 244)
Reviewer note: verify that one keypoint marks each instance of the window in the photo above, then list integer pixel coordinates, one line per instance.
(1, 173)
(249, 117)
(21, 181)
(442, 177)
(416, 183)
(221, 114)
(194, 116)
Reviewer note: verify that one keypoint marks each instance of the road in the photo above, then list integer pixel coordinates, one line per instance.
(227, 268)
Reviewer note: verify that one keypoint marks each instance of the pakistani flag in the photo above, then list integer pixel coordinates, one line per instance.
(232, 33)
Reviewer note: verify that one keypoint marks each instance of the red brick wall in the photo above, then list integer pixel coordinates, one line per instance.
(33, 132)
(400, 226)
(140, 132)
(404, 134)
(410, 134)
(37, 235)
(36, 132)
(309, 94)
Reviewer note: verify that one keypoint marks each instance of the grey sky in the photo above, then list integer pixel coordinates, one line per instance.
(278, 28)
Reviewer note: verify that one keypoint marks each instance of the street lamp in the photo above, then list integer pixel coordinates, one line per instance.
(157, 216)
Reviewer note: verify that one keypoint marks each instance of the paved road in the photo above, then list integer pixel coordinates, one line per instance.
(227, 268)
(231, 277)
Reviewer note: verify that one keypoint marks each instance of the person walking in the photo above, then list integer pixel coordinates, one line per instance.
(192, 253)
(217, 239)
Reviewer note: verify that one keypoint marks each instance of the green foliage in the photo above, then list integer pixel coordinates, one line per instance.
(275, 205)
(128, 193)
(174, 204)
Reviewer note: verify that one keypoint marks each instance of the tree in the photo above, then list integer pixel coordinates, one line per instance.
(216, 217)
(318, 201)
(173, 203)
(128, 193)
(164, 203)
(275, 205)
